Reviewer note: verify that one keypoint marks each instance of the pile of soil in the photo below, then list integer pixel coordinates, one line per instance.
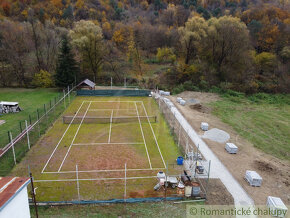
(200, 108)
(263, 166)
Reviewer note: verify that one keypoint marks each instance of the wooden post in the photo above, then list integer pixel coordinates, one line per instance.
(12, 145)
(27, 132)
(78, 184)
(30, 119)
(33, 192)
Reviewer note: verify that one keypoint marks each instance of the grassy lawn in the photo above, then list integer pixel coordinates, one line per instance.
(160, 209)
(262, 119)
(29, 100)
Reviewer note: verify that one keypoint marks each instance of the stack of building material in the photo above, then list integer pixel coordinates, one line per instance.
(182, 102)
(166, 93)
(253, 178)
(204, 126)
(231, 148)
(276, 206)
(178, 99)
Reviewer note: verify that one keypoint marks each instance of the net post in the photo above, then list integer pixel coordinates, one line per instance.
(12, 145)
(27, 132)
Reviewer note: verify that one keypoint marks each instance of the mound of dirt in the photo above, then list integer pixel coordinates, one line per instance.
(266, 167)
(200, 108)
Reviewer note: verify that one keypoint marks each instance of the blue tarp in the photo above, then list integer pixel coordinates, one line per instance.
(113, 92)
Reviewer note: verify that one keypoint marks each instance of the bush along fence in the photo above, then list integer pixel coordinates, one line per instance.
(20, 140)
(191, 152)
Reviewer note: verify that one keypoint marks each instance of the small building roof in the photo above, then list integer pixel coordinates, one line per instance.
(9, 103)
(9, 188)
(87, 82)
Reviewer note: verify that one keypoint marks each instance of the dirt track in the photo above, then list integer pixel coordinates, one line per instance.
(275, 173)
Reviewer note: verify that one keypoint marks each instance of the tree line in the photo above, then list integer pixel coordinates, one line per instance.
(241, 45)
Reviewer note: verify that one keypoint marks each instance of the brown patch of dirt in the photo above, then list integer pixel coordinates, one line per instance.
(275, 172)
(263, 166)
(200, 108)
(218, 194)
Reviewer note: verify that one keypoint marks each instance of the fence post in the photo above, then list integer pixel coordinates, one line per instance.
(50, 104)
(78, 185)
(207, 179)
(179, 134)
(30, 119)
(68, 92)
(38, 122)
(64, 98)
(12, 145)
(20, 126)
(28, 141)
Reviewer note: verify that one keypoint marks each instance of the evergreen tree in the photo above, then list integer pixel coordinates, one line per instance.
(67, 68)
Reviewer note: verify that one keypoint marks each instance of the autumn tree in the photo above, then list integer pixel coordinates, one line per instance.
(191, 37)
(87, 38)
(227, 44)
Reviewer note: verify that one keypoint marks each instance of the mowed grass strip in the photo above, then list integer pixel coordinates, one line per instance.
(263, 123)
(29, 100)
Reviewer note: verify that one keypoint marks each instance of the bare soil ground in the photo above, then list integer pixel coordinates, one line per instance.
(275, 172)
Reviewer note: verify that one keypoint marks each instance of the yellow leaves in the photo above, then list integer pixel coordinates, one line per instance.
(106, 26)
(79, 4)
(165, 54)
(24, 13)
(118, 36)
(57, 3)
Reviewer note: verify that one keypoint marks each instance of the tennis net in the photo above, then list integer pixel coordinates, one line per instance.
(124, 119)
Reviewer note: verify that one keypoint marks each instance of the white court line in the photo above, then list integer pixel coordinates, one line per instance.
(154, 135)
(113, 101)
(112, 143)
(74, 137)
(143, 136)
(106, 109)
(111, 120)
(96, 171)
(72, 180)
(61, 138)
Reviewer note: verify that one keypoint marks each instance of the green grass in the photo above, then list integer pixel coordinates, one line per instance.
(262, 119)
(88, 157)
(29, 100)
(160, 209)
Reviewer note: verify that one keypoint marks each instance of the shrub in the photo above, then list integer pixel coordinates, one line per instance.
(43, 79)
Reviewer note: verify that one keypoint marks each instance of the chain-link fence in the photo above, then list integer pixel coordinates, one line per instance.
(193, 158)
(21, 137)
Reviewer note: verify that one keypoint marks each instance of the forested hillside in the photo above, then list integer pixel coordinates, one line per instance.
(187, 44)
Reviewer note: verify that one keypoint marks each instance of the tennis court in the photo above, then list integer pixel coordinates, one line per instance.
(97, 143)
